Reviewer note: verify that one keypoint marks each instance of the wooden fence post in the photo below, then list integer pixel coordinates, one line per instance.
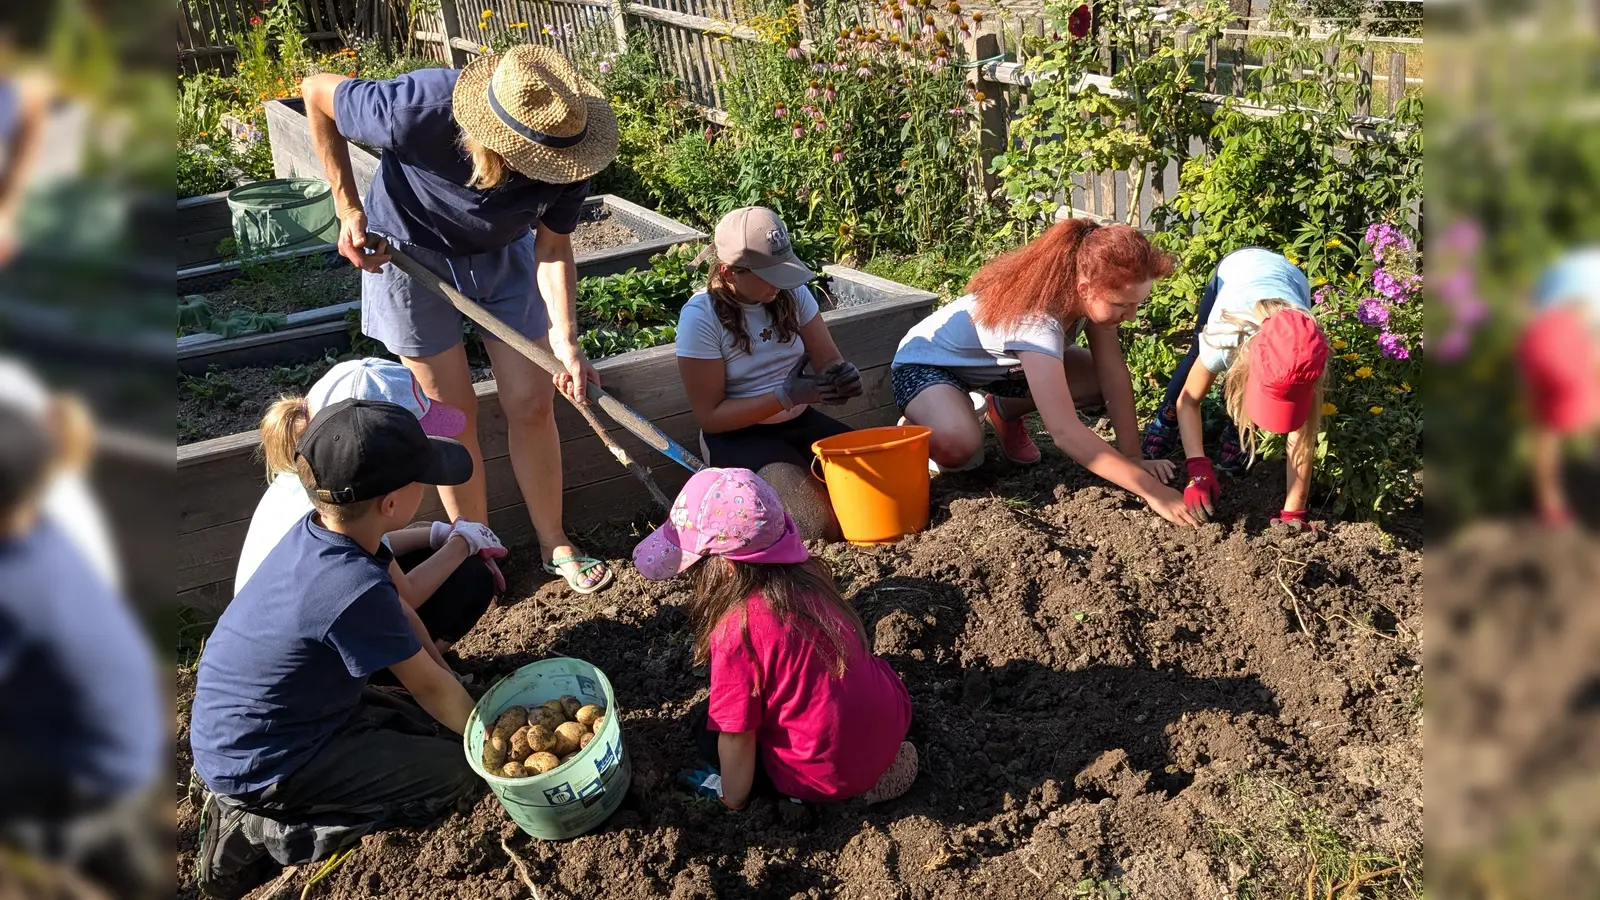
(991, 113)
(619, 24)
(450, 20)
(1364, 85)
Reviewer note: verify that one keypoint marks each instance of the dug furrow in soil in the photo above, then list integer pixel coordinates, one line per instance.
(1102, 702)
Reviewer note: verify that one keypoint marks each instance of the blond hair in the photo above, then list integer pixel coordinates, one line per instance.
(71, 430)
(1238, 375)
(489, 169)
(281, 428)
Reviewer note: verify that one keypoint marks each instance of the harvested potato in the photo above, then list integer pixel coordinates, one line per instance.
(509, 721)
(514, 769)
(493, 759)
(540, 737)
(520, 745)
(598, 724)
(540, 763)
(568, 734)
(584, 741)
(557, 709)
(538, 715)
(586, 715)
(570, 705)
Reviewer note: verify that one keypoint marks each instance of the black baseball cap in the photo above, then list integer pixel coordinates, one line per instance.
(361, 449)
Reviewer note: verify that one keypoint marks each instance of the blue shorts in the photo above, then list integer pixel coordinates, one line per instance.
(911, 379)
(414, 320)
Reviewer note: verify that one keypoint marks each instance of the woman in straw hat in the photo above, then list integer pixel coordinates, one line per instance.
(482, 180)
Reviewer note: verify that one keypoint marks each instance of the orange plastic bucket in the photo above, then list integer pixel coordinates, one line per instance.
(878, 481)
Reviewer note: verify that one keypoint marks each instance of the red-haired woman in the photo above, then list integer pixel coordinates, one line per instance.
(1013, 337)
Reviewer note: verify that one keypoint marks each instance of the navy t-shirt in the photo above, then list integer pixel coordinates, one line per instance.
(420, 195)
(288, 660)
(80, 692)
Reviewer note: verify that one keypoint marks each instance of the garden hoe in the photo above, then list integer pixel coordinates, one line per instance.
(544, 359)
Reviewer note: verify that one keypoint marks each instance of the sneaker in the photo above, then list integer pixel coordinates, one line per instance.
(1160, 439)
(229, 864)
(1230, 453)
(1015, 443)
(898, 778)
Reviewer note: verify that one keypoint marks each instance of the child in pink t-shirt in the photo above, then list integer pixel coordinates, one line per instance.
(797, 700)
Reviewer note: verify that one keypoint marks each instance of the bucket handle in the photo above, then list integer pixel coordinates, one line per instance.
(814, 473)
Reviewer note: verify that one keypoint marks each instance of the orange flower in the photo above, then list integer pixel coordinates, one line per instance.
(351, 74)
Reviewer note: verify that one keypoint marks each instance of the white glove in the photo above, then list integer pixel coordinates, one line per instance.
(439, 534)
(479, 538)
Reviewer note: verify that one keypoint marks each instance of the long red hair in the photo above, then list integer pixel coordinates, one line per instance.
(1042, 277)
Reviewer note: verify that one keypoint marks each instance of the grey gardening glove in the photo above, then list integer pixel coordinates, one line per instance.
(800, 389)
(840, 382)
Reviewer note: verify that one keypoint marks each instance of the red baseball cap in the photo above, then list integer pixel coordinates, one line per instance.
(1287, 356)
(1558, 362)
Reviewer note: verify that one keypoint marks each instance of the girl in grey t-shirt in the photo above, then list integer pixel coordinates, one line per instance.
(746, 343)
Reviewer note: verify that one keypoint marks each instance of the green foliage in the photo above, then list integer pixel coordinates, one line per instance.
(1065, 131)
(213, 387)
(297, 380)
(635, 309)
(194, 314)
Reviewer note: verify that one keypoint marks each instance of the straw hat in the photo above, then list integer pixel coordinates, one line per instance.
(532, 107)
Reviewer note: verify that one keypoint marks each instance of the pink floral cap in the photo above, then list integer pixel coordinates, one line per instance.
(730, 513)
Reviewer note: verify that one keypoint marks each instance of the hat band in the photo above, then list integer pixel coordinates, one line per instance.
(538, 137)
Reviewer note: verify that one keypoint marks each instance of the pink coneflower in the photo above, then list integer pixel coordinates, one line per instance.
(795, 52)
(830, 93)
(839, 67)
(813, 91)
(780, 111)
(605, 68)
(864, 72)
(981, 101)
(928, 29)
(838, 154)
(820, 124)
(956, 111)
(898, 22)
(798, 132)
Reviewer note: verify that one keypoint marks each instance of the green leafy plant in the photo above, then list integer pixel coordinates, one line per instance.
(194, 314)
(213, 387)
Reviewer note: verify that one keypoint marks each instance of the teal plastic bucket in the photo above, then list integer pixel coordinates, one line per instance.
(570, 800)
(282, 214)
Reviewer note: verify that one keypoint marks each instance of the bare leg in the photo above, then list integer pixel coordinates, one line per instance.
(445, 376)
(957, 436)
(527, 396)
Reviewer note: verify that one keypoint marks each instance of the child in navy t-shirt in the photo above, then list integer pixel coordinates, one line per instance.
(299, 755)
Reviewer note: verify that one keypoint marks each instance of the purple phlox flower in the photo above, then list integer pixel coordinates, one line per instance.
(1393, 346)
(1382, 236)
(1320, 297)
(1394, 288)
(1372, 312)
(1463, 236)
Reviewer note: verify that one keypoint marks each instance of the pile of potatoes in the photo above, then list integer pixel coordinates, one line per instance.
(533, 740)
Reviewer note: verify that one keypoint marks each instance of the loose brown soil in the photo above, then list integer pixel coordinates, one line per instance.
(1102, 703)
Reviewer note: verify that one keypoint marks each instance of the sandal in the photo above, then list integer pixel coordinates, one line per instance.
(575, 580)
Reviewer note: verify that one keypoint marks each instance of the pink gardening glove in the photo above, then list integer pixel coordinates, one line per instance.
(479, 538)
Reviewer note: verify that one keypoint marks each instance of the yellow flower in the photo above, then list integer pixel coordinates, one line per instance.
(518, 25)
(1351, 357)
(1292, 260)
(1376, 410)
(1328, 409)
(480, 24)
(1340, 344)
(483, 48)
(1349, 378)
(1364, 372)
(1319, 282)
(1334, 242)
(487, 13)
(1405, 386)
(204, 134)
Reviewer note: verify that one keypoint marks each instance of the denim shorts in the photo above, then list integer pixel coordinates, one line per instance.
(413, 320)
(912, 379)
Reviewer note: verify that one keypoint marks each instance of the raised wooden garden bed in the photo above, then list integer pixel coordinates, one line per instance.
(220, 480)
(311, 333)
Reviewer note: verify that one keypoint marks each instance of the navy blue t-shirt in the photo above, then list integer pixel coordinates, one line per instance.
(288, 660)
(420, 195)
(80, 691)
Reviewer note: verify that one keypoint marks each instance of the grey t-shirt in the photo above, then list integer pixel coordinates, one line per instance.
(758, 372)
(950, 340)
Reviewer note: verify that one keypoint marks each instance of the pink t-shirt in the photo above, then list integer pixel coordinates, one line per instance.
(820, 738)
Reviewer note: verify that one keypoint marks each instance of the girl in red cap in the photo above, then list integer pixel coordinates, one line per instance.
(1014, 337)
(1256, 329)
(799, 706)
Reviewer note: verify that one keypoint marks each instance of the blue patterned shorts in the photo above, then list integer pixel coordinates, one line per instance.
(912, 379)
